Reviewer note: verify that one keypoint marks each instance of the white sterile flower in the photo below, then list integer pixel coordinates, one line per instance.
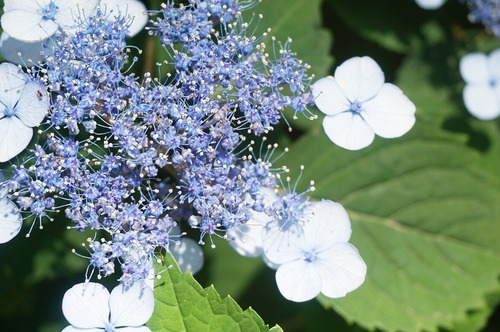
(358, 105)
(10, 218)
(90, 307)
(23, 105)
(246, 238)
(134, 9)
(430, 4)
(481, 74)
(35, 20)
(19, 52)
(316, 256)
(187, 254)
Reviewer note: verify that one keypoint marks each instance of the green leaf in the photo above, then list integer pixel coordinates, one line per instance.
(425, 223)
(181, 304)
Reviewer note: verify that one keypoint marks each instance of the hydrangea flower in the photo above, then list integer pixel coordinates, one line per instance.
(90, 307)
(481, 93)
(246, 238)
(35, 20)
(10, 218)
(486, 12)
(315, 256)
(430, 4)
(358, 105)
(23, 105)
(134, 9)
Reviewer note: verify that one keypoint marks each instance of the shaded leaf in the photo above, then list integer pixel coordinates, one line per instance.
(425, 223)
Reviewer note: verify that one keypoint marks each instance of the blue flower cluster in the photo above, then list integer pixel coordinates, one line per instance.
(131, 157)
(486, 12)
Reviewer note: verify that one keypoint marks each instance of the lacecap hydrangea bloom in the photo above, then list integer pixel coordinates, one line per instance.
(481, 93)
(131, 158)
(358, 105)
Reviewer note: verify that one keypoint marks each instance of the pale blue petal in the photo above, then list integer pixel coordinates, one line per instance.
(134, 9)
(390, 114)
(74, 329)
(27, 26)
(132, 329)
(298, 281)
(341, 268)
(328, 96)
(132, 305)
(14, 137)
(188, 254)
(10, 220)
(480, 101)
(348, 130)
(86, 305)
(33, 104)
(327, 223)
(494, 65)
(430, 4)
(283, 245)
(359, 78)
(12, 81)
(10, 49)
(474, 68)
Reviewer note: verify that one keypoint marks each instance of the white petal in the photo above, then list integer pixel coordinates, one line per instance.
(134, 9)
(71, 14)
(390, 114)
(298, 281)
(481, 101)
(131, 329)
(348, 130)
(246, 239)
(27, 26)
(188, 255)
(132, 305)
(474, 68)
(328, 96)
(74, 329)
(33, 104)
(494, 64)
(10, 220)
(86, 305)
(430, 4)
(283, 245)
(12, 81)
(10, 49)
(341, 269)
(359, 78)
(328, 223)
(14, 137)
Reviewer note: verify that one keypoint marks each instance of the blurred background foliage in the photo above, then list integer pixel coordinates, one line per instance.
(425, 207)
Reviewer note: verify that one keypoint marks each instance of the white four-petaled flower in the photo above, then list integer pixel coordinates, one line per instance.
(358, 105)
(23, 105)
(315, 256)
(35, 20)
(481, 74)
(90, 307)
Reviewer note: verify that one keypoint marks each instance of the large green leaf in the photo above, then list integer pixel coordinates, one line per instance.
(425, 223)
(181, 304)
